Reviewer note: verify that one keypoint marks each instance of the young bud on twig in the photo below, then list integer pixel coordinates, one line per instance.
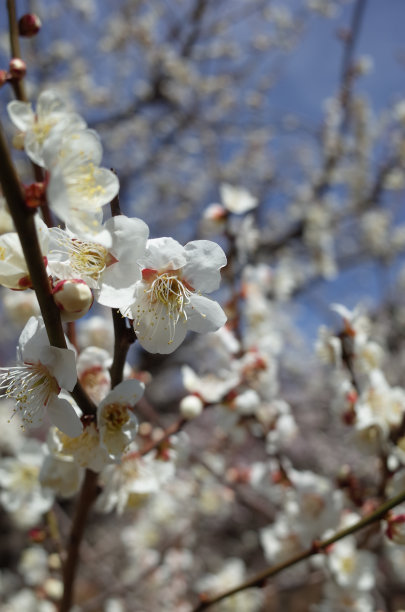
(17, 68)
(29, 25)
(73, 298)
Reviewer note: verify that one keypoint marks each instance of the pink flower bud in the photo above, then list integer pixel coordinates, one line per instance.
(29, 25)
(73, 298)
(17, 68)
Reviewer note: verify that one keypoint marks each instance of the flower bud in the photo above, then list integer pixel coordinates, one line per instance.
(29, 25)
(17, 68)
(191, 406)
(396, 528)
(73, 298)
(34, 194)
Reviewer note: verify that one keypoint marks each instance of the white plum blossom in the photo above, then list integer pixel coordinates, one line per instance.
(337, 599)
(78, 187)
(20, 488)
(41, 373)
(131, 482)
(236, 199)
(116, 422)
(84, 450)
(380, 406)
(107, 262)
(51, 118)
(61, 474)
(210, 387)
(231, 574)
(168, 300)
(352, 568)
(312, 505)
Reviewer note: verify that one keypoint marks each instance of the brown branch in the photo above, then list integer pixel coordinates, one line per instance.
(317, 547)
(123, 336)
(87, 495)
(169, 431)
(17, 84)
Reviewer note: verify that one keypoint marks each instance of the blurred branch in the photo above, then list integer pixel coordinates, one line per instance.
(317, 547)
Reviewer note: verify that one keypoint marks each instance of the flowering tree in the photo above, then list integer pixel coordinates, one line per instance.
(227, 469)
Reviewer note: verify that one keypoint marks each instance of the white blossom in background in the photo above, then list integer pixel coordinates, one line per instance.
(20, 306)
(168, 301)
(51, 118)
(313, 505)
(21, 491)
(337, 599)
(29, 601)
(35, 383)
(352, 568)
(231, 574)
(210, 387)
(33, 565)
(131, 482)
(96, 331)
(93, 372)
(279, 540)
(237, 200)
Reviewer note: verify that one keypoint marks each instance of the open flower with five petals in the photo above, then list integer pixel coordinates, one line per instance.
(168, 300)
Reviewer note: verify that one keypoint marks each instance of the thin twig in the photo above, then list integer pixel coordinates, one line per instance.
(317, 547)
(17, 84)
(169, 431)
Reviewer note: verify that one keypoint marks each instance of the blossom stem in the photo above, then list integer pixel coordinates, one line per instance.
(87, 495)
(123, 336)
(317, 547)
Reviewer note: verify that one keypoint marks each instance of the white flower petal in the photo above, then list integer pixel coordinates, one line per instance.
(129, 237)
(62, 365)
(204, 260)
(128, 392)
(204, 315)
(21, 114)
(164, 253)
(49, 102)
(64, 417)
